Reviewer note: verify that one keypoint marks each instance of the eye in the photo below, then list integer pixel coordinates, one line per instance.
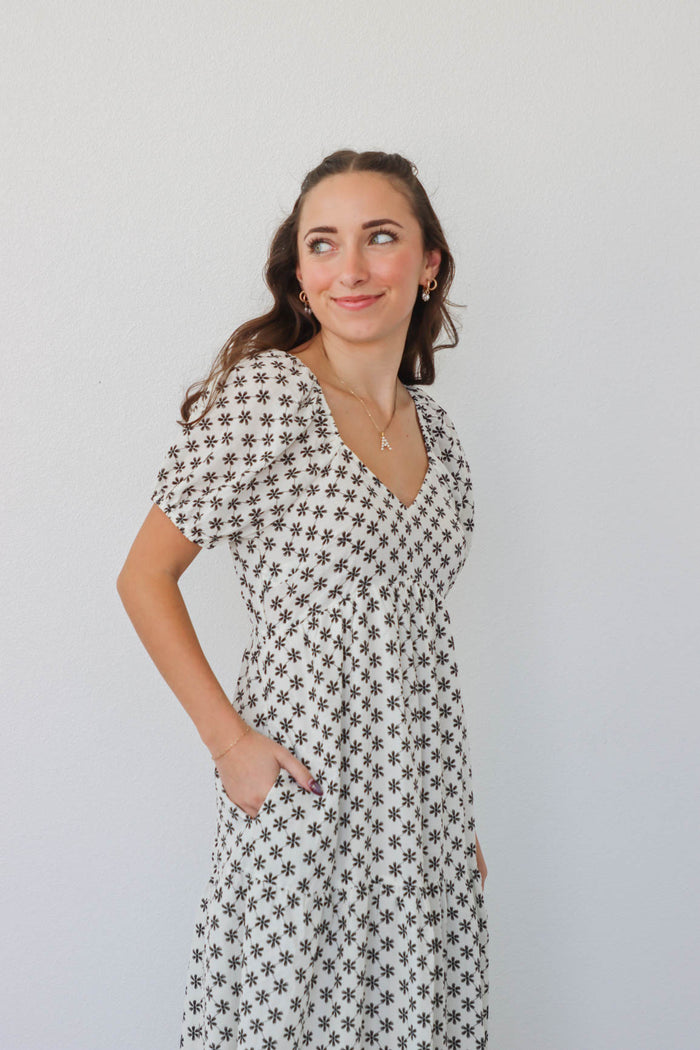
(311, 245)
(387, 233)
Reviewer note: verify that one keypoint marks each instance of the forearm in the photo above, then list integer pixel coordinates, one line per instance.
(157, 610)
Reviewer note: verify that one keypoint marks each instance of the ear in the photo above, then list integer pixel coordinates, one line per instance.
(298, 273)
(432, 262)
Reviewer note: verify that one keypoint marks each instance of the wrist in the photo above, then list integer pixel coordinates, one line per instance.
(233, 743)
(225, 726)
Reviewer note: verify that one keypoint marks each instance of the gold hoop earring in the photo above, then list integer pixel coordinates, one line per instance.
(428, 288)
(305, 300)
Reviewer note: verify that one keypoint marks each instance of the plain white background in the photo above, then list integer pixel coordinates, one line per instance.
(149, 153)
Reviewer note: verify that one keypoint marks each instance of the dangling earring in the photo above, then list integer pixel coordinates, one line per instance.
(305, 300)
(428, 288)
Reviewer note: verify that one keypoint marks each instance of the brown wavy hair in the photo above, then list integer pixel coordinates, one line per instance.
(287, 325)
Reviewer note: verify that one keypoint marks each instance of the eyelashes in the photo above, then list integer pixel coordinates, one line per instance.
(311, 245)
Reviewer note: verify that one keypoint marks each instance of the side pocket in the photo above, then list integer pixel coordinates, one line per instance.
(231, 807)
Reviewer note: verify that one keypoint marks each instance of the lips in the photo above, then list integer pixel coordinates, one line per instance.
(357, 302)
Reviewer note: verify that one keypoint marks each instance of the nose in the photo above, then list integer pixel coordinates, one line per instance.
(354, 268)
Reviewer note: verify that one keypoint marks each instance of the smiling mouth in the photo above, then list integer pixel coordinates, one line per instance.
(356, 302)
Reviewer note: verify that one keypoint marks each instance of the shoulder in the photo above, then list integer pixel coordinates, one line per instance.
(267, 386)
(267, 378)
(443, 432)
(442, 427)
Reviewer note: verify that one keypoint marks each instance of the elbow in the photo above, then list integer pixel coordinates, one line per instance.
(134, 578)
(130, 585)
(124, 578)
(121, 580)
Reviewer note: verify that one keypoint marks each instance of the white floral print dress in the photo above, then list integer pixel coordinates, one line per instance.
(354, 920)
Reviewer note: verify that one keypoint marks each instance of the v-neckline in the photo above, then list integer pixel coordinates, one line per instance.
(360, 462)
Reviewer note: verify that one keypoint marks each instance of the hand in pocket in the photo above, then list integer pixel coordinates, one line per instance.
(249, 770)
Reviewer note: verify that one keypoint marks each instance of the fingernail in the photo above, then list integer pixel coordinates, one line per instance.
(315, 787)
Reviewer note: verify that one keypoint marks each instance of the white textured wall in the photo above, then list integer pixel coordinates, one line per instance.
(149, 152)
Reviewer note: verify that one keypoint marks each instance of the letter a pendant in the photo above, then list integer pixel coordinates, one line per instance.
(384, 444)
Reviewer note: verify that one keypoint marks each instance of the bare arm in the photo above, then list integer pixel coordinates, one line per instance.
(148, 588)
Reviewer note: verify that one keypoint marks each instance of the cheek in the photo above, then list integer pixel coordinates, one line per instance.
(316, 276)
(397, 270)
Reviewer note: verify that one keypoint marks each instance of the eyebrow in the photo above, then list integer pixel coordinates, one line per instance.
(365, 226)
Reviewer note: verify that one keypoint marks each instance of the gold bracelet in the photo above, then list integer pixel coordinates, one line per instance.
(217, 757)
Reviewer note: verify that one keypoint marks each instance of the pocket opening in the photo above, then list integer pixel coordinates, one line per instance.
(235, 808)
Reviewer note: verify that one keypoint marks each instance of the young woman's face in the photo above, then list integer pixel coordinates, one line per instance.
(370, 246)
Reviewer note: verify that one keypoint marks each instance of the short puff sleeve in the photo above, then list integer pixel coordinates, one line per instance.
(218, 476)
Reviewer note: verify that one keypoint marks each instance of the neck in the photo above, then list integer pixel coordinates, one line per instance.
(371, 371)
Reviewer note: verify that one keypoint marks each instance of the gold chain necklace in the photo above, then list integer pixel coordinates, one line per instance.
(384, 443)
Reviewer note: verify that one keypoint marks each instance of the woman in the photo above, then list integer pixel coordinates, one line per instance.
(344, 908)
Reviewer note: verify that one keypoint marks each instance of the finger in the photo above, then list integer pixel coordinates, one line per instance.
(303, 776)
